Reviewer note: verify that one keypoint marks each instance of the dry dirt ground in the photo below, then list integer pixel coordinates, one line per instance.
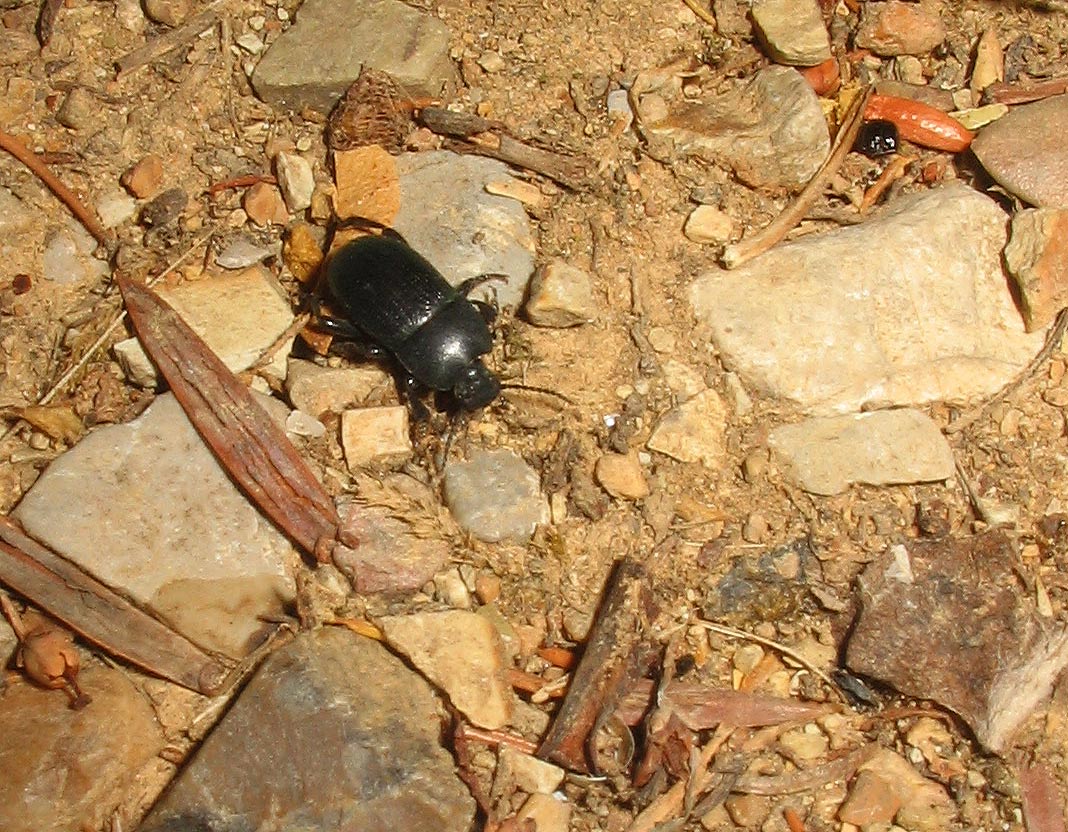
(194, 107)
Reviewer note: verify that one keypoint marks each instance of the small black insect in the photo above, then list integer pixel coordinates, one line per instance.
(396, 303)
(877, 138)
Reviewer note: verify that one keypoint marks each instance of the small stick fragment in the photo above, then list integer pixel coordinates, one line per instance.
(65, 194)
(168, 40)
(47, 19)
(891, 173)
(793, 819)
(1002, 93)
(701, 12)
(748, 248)
(100, 615)
(809, 779)
(497, 738)
(241, 182)
(611, 658)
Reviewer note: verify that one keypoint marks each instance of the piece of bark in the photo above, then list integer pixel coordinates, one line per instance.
(477, 135)
(100, 615)
(613, 658)
(1003, 93)
(251, 447)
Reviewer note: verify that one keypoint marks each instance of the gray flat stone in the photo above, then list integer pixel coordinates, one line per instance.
(146, 508)
(448, 217)
(771, 132)
(313, 63)
(1026, 153)
(827, 455)
(495, 495)
(332, 733)
(66, 769)
(908, 308)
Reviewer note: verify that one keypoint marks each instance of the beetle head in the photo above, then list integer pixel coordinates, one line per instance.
(477, 386)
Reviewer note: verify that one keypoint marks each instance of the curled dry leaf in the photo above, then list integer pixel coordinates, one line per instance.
(59, 422)
(49, 657)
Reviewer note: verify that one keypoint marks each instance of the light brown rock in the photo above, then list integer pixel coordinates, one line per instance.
(145, 178)
(899, 28)
(264, 205)
(561, 295)
(708, 224)
(693, 431)
(621, 476)
(872, 799)
(459, 652)
(792, 31)
(1037, 259)
(375, 434)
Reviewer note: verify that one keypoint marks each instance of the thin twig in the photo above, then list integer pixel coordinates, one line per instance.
(65, 194)
(702, 13)
(168, 41)
(731, 632)
(748, 248)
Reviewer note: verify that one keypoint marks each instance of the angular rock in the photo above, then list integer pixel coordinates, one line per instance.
(526, 773)
(923, 804)
(1026, 153)
(264, 205)
(146, 508)
(392, 556)
(561, 295)
(887, 447)
(693, 431)
(239, 315)
(621, 476)
(241, 253)
(67, 769)
(448, 217)
(296, 180)
(80, 110)
(459, 652)
(930, 319)
(549, 813)
(1037, 259)
(793, 32)
(145, 178)
(16, 217)
(67, 258)
(771, 132)
(375, 434)
(899, 28)
(708, 224)
(947, 620)
(872, 799)
(315, 61)
(333, 732)
(319, 390)
(115, 208)
(495, 495)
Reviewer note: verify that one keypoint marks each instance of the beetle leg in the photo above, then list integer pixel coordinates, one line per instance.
(413, 393)
(368, 224)
(472, 283)
(341, 328)
(488, 311)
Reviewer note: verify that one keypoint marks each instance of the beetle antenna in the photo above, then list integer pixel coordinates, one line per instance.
(544, 390)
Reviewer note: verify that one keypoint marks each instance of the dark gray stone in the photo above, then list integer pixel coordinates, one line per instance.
(313, 63)
(333, 733)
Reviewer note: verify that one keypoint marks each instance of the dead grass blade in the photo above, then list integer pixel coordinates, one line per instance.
(252, 448)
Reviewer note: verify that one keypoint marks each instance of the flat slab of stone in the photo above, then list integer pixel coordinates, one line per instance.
(771, 132)
(908, 308)
(495, 495)
(1026, 153)
(448, 217)
(793, 32)
(68, 769)
(146, 508)
(333, 732)
(238, 315)
(827, 455)
(315, 61)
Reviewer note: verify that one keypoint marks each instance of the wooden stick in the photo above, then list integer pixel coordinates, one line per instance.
(101, 615)
(748, 248)
(1002, 93)
(168, 41)
(65, 194)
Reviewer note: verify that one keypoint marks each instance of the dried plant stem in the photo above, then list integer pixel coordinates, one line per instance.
(748, 248)
(30, 159)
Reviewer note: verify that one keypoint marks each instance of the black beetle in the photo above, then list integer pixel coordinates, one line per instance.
(395, 302)
(877, 137)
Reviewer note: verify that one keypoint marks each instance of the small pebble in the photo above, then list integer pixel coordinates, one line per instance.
(491, 61)
(299, 423)
(80, 110)
(296, 180)
(250, 43)
(449, 588)
(115, 208)
(619, 111)
(487, 588)
(898, 28)
(16, 217)
(621, 476)
(264, 205)
(561, 295)
(495, 495)
(168, 12)
(242, 253)
(375, 434)
(708, 224)
(66, 258)
(165, 208)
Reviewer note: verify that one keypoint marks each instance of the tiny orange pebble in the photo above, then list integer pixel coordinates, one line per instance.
(920, 123)
(824, 78)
